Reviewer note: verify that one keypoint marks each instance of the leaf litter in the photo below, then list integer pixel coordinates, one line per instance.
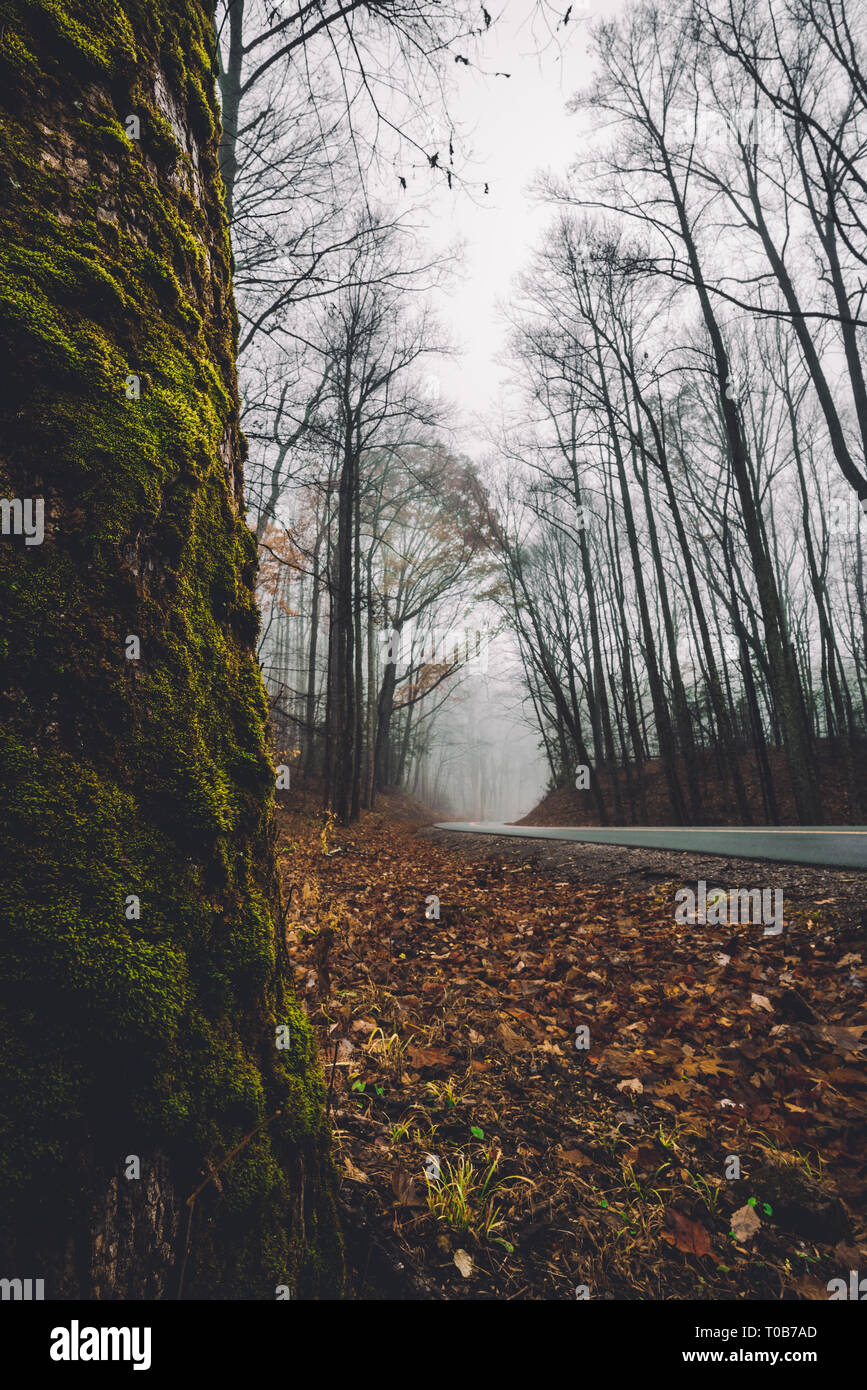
(734, 1054)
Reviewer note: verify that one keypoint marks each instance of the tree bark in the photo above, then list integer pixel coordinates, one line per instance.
(137, 781)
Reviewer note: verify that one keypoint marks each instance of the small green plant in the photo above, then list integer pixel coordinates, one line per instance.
(706, 1190)
(812, 1166)
(668, 1141)
(766, 1206)
(463, 1197)
(444, 1093)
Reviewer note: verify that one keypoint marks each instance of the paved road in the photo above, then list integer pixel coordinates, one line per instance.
(839, 847)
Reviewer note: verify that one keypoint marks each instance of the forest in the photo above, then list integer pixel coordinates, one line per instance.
(664, 533)
(428, 431)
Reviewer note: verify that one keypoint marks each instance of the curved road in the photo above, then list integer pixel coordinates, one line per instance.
(838, 847)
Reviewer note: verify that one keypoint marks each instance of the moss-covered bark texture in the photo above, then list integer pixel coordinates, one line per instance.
(151, 1036)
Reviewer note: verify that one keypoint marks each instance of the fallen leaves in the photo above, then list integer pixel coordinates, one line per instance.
(403, 1186)
(705, 1066)
(426, 1058)
(761, 1001)
(685, 1234)
(511, 1041)
(745, 1222)
(575, 1158)
(455, 1048)
(642, 1157)
(464, 1263)
(354, 1174)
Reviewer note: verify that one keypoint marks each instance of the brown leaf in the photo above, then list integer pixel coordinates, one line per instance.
(841, 1039)
(403, 1185)
(641, 1156)
(685, 1234)
(745, 1222)
(354, 1174)
(761, 1001)
(705, 1066)
(422, 1057)
(809, 1287)
(673, 1088)
(512, 1041)
(464, 1263)
(575, 1157)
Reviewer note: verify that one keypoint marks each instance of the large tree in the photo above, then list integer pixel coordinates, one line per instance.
(142, 984)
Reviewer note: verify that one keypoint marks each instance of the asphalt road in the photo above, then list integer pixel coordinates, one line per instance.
(839, 847)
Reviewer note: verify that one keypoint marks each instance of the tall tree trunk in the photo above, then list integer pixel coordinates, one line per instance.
(720, 709)
(230, 102)
(358, 642)
(310, 695)
(667, 749)
(384, 707)
(785, 688)
(141, 981)
(342, 668)
(370, 703)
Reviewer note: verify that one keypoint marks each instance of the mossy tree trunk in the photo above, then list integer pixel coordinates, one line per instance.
(141, 985)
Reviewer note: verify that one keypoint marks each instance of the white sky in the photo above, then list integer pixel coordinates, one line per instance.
(518, 127)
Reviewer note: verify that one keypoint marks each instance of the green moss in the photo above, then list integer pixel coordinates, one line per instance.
(18, 66)
(113, 138)
(99, 43)
(204, 124)
(147, 778)
(159, 140)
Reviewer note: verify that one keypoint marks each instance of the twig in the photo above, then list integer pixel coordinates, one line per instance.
(331, 1081)
(231, 1154)
(213, 1177)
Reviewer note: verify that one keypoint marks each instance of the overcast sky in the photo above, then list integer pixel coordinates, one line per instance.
(517, 126)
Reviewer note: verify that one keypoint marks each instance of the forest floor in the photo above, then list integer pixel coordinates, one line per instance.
(568, 806)
(484, 1155)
